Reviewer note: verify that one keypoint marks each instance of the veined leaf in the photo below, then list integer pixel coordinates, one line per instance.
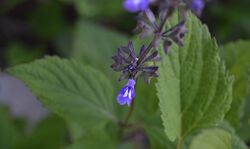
(216, 139)
(193, 88)
(237, 57)
(76, 92)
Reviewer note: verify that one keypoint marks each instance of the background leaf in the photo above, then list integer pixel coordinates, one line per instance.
(96, 45)
(193, 88)
(41, 137)
(18, 53)
(9, 132)
(95, 140)
(216, 138)
(237, 57)
(98, 8)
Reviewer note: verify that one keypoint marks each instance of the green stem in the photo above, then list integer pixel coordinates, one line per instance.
(180, 143)
(124, 124)
(180, 139)
(144, 54)
(161, 27)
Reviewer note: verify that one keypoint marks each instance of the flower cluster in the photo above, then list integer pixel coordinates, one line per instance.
(132, 65)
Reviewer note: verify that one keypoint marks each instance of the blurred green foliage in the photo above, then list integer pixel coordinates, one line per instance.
(88, 30)
(17, 53)
(51, 133)
(229, 19)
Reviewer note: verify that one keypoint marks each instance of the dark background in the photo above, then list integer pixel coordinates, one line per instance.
(30, 29)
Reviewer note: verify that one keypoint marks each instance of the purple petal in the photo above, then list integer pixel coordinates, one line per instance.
(131, 83)
(136, 5)
(197, 6)
(127, 93)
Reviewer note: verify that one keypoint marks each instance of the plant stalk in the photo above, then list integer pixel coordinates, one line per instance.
(144, 54)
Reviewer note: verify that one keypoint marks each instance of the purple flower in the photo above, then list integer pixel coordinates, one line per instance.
(197, 6)
(127, 93)
(126, 61)
(136, 5)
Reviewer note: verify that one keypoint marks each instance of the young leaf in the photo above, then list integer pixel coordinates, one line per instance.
(193, 88)
(237, 57)
(216, 138)
(78, 93)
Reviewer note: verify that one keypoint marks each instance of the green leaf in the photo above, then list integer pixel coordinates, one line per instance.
(96, 45)
(17, 53)
(104, 8)
(47, 20)
(78, 93)
(94, 140)
(237, 57)
(216, 138)
(9, 132)
(244, 129)
(193, 88)
(158, 138)
(49, 134)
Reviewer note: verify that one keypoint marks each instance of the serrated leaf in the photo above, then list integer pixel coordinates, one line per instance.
(237, 57)
(216, 138)
(78, 93)
(193, 88)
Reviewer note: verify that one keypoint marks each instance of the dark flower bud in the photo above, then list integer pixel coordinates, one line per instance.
(152, 57)
(177, 33)
(178, 38)
(146, 24)
(149, 72)
(167, 45)
(126, 61)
